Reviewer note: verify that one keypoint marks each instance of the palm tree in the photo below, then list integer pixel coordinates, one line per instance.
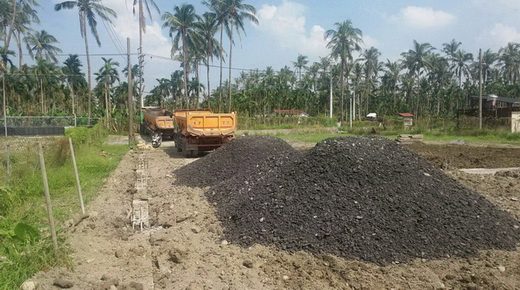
(460, 64)
(488, 59)
(46, 74)
(74, 77)
(300, 63)
(87, 11)
(25, 6)
(182, 24)
(392, 73)
(370, 57)
(142, 29)
(509, 58)
(233, 13)
(415, 60)
(106, 77)
(40, 44)
(207, 27)
(343, 42)
(216, 8)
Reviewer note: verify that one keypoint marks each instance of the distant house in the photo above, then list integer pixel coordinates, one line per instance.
(493, 106)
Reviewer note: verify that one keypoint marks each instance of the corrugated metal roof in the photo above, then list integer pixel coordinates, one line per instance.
(406, 115)
(497, 98)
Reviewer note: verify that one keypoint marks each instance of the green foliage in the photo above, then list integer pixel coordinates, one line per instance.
(83, 135)
(8, 200)
(23, 250)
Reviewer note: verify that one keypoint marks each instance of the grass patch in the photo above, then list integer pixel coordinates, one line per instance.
(22, 201)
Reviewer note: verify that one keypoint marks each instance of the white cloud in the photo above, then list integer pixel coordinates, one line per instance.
(499, 36)
(286, 24)
(370, 41)
(425, 17)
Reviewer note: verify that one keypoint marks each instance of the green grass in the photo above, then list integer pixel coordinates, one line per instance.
(22, 201)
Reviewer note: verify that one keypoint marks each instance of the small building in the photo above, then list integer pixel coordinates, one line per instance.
(492, 106)
(407, 120)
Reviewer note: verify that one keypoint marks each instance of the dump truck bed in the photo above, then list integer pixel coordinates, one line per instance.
(205, 123)
(202, 130)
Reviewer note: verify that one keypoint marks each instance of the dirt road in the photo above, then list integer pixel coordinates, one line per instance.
(185, 248)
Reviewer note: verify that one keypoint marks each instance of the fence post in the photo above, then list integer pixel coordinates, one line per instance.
(78, 185)
(8, 163)
(47, 196)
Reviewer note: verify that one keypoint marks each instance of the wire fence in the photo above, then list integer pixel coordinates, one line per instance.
(46, 121)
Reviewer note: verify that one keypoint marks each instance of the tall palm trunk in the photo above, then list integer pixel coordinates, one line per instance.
(11, 28)
(84, 25)
(141, 63)
(342, 89)
(207, 76)
(41, 97)
(19, 44)
(197, 90)
(186, 68)
(107, 113)
(221, 69)
(230, 60)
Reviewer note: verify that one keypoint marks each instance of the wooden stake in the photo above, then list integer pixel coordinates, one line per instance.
(78, 185)
(47, 196)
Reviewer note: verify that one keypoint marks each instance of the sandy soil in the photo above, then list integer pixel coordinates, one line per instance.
(184, 247)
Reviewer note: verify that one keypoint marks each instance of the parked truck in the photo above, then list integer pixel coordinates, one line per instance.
(202, 130)
(159, 123)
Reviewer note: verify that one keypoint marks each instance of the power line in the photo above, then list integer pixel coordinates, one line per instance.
(211, 65)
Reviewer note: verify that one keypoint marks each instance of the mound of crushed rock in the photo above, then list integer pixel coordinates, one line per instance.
(359, 197)
(237, 157)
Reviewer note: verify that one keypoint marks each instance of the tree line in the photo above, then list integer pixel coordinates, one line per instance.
(425, 80)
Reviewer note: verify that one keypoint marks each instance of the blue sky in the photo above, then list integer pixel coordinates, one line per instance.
(288, 28)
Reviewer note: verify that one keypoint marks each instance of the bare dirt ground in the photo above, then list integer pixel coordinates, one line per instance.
(185, 249)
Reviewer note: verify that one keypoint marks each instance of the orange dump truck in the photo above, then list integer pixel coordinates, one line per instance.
(202, 130)
(159, 122)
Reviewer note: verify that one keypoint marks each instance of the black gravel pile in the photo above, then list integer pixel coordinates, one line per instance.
(237, 157)
(365, 198)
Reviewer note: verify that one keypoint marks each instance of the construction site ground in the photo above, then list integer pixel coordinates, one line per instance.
(184, 248)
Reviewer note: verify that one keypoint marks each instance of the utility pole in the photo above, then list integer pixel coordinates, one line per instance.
(130, 96)
(480, 89)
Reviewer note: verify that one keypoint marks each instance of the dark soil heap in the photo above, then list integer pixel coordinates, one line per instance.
(360, 197)
(237, 157)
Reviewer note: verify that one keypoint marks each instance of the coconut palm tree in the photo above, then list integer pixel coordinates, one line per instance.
(181, 25)
(343, 42)
(234, 12)
(509, 59)
(40, 44)
(74, 77)
(46, 74)
(87, 11)
(460, 64)
(142, 4)
(370, 59)
(18, 5)
(207, 27)
(300, 63)
(106, 77)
